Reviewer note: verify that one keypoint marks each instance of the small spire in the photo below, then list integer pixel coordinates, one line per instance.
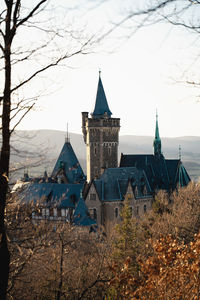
(67, 137)
(99, 72)
(179, 152)
(157, 140)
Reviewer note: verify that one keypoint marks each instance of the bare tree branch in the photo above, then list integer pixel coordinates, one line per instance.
(28, 109)
(35, 9)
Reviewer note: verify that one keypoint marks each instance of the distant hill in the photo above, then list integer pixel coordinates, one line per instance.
(42, 147)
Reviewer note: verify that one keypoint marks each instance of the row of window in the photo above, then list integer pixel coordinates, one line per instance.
(109, 151)
(109, 144)
(93, 211)
(46, 212)
(116, 211)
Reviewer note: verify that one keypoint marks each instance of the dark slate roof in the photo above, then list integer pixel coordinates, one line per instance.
(162, 173)
(52, 194)
(68, 162)
(81, 215)
(113, 183)
(101, 104)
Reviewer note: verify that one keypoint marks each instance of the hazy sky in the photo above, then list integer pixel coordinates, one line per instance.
(141, 75)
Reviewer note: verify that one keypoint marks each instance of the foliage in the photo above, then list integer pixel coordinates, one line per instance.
(177, 214)
(172, 272)
(167, 253)
(52, 260)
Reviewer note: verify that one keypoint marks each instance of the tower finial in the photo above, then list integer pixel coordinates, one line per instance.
(67, 138)
(179, 152)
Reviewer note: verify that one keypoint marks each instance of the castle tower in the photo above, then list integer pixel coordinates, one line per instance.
(101, 135)
(157, 140)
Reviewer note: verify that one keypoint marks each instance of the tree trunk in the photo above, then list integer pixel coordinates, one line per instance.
(58, 296)
(5, 155)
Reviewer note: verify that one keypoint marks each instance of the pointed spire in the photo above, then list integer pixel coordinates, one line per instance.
(67, 137)
(157, 140)
(101, 106)
(179, 152)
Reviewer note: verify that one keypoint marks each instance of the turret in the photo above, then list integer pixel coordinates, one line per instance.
(101, 135)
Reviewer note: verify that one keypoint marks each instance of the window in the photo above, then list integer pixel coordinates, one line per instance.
(47, 212)
(137, 210)
(95, 171)
(55, 212)
(145, 208)
(93, 197)
(43, 212)
(109, 150)
(116, 212)
(63, 212)
(94, 213)
(131, 210)
(95, 151)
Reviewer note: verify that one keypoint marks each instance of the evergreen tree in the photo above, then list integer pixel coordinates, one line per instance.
(124, 249)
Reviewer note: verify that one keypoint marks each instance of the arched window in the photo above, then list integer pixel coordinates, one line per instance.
(145, 208)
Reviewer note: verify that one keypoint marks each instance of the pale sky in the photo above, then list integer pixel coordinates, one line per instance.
(140, 76)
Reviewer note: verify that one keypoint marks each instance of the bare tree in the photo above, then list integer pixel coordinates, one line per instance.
(15, 19)
(181, 13)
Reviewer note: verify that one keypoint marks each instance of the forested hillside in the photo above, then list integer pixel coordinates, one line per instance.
(38, 150)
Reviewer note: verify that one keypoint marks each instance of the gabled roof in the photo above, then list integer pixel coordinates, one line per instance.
(161, 173)
(52, 194)
(101, 104)
(113, 183)
(81, 215)
(68, 162)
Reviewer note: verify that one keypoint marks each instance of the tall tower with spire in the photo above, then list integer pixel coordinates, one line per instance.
(101, 135)
(157, 140)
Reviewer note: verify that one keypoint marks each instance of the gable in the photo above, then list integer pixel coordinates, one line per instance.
(92, 198)
(68, 163)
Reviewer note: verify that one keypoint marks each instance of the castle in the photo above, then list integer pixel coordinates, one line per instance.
(67, 195)
(137, 177)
